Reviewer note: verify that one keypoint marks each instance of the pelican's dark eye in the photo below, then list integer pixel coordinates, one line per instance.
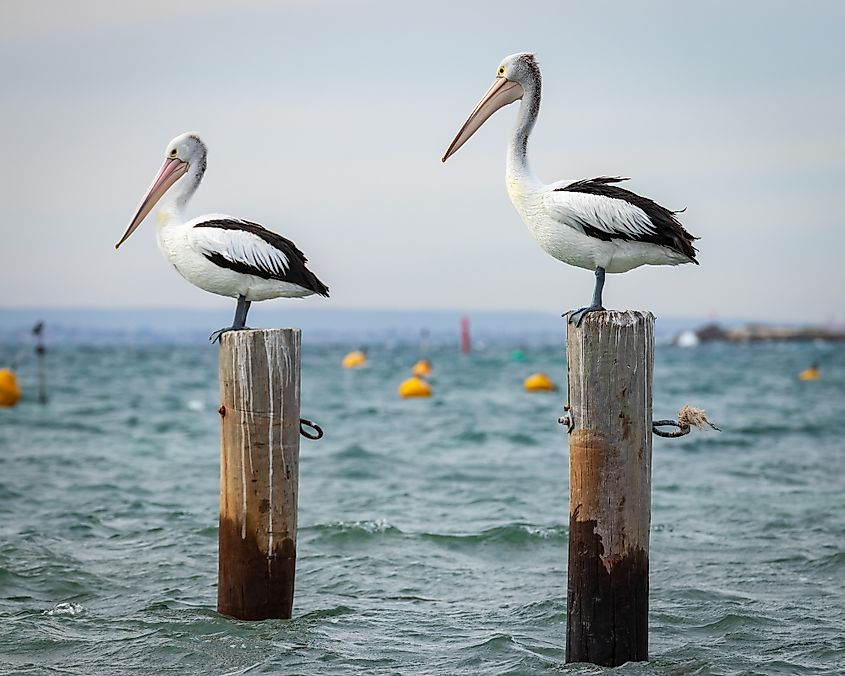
(501, 70)
(173, 153)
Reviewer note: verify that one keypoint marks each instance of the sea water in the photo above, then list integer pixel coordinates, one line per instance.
(433, 532)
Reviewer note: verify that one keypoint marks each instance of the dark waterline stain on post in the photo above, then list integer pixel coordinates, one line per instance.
(608, 609)
(253, 584)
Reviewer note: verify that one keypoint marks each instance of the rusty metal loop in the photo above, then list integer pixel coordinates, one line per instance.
(305, 423)
(683, 428)
(567, 419)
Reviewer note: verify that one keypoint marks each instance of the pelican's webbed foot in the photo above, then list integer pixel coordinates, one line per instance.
(577, 316)
(215, 337)
(240, 320)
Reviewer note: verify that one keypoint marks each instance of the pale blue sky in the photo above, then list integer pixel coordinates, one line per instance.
(326, 121)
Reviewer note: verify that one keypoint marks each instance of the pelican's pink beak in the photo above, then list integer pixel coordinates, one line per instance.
(171, 171)
(501, 93)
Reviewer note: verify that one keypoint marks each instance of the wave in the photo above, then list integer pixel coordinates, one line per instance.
(470, 436)
(834, 562)
(325, 613)
(548, 610)
(352, 529)
(513, 533)
(356, 452)
(732, 621)
(69, 609)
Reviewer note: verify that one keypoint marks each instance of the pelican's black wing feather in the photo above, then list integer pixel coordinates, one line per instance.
(663, 228)
(251, 249)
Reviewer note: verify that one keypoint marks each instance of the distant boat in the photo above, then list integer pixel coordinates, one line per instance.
(687, 339)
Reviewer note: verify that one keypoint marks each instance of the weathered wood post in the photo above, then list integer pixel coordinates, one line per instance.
(609, 361)
(259, 472)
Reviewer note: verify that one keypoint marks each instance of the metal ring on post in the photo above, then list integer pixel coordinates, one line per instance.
(567, 419)
(682, 428)
(304, 423)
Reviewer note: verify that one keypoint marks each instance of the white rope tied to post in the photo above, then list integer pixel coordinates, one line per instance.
(688, 417)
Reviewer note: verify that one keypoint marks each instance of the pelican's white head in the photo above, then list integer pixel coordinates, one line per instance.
(188, 148)
(184, 166)
(516, 75)
(521, 68)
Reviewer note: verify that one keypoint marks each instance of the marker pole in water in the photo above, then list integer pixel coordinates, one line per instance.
(41, 355)
(465, 342)
(610, 359)
(259, 472)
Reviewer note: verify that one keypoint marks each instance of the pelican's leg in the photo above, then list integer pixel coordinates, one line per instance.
(240, 313)
(577, 316)
(238, 323)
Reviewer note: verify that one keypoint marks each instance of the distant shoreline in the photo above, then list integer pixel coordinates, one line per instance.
(757, 333)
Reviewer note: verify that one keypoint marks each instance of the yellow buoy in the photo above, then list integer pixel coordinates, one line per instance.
(422, 368)
(354, 359)
(414, 387)
(539, 382)
(9, 390)
(811, 373)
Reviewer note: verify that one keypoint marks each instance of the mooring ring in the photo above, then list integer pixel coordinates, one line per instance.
(682, 428)
(305, 423)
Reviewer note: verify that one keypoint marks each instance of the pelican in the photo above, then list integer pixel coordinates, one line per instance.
(593, 223)
(220, 254)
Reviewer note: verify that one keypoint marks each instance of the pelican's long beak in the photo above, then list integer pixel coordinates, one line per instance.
(171, 171)
(501, 93)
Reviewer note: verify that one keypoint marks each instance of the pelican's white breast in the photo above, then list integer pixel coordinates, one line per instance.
(556, 239)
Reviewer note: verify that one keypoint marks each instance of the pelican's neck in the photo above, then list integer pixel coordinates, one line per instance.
(518, 170)
(175, 202)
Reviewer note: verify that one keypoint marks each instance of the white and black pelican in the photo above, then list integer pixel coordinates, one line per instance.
(592, 223)
(220, 254)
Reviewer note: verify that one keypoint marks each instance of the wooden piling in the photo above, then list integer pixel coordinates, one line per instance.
(609, 362)
(259, 472)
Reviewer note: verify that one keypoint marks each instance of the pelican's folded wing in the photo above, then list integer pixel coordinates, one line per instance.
(251, 249)
(605, 211)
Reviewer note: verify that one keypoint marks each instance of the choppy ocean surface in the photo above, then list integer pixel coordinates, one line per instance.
(433, 532)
